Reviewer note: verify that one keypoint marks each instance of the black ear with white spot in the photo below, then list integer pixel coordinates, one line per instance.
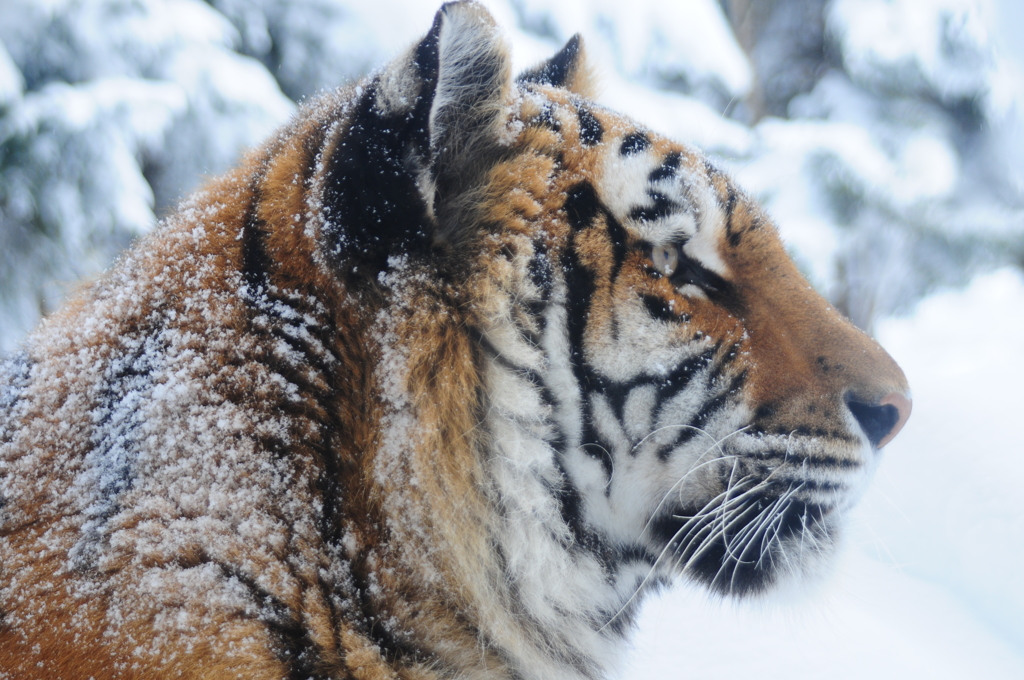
(422, 136)
(568, 69)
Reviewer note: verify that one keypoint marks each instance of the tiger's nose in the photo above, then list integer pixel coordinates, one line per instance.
(883, 420)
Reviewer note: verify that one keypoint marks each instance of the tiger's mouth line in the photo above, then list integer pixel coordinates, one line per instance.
(796, 498)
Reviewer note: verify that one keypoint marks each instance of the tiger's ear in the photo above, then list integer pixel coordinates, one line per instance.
(421, 138)
(568, 69)
(470, 105)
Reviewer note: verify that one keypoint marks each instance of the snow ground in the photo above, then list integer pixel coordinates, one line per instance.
(929, 585)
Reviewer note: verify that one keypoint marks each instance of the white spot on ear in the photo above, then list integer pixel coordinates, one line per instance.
(398, 87)
(424, 181)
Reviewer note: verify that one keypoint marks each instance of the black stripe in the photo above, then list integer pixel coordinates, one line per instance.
(375, 624)
(668, 168)
(114, 449)
(709, 409)
(805, 483)
(731, 234)
(547, 119)
(681, 375)
(663, 206)
(597, 449)
(620, 240)
(783, 430)
(581, 206)
(591, 130)
(580, 283)
(494, 354)
(312, 371)
(711, 170)
(659, 308)
(320, 385)
(817, 461)
(634, 143)
(570, 502)
(312, 359)
(541, 272)
(292, 643)
(616, 394)
(255, 261)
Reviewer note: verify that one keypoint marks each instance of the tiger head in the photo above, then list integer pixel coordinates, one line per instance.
(662, 391)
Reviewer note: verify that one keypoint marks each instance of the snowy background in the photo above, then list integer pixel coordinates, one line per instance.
(885, 136)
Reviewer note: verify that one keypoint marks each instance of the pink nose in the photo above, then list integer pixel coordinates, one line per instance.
(903, 406)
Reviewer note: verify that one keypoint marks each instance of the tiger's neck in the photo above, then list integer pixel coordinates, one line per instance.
(547, 590)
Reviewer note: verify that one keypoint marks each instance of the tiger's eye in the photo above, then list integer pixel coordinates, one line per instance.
(665, 258)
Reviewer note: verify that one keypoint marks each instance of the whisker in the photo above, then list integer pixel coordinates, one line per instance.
(695, 466)
(707, 511)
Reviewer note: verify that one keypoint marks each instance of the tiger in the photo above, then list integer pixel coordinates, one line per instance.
(439, 382)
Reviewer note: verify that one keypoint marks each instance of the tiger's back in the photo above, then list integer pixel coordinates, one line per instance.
(433, 385)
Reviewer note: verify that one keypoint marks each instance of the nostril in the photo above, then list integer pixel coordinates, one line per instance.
(882, 421)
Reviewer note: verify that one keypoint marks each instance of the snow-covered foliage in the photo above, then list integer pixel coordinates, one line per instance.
(126, 106)
(885, 137)
(11, 82)
(314, 45)
(73, 191)
(684, 47)
(889, 175)
(887, 155)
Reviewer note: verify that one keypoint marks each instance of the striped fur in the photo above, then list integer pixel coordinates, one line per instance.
(409, 394)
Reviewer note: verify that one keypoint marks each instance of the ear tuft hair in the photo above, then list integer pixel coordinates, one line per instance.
(567, 68)
(469, 109)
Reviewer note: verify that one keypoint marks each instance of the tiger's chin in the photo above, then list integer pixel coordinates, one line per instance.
(750, 529)
(761, 548)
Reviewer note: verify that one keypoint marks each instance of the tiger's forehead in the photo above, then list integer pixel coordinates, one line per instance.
(658, 189)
